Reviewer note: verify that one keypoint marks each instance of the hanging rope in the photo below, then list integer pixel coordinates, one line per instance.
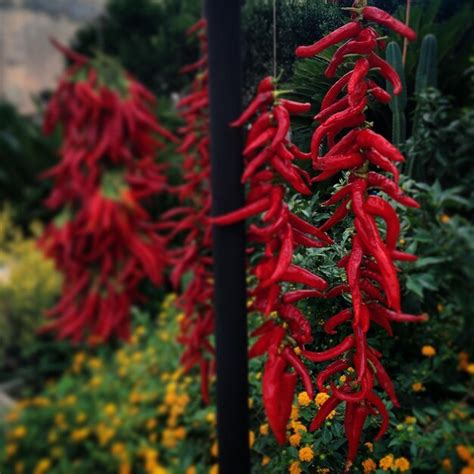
(274, 40)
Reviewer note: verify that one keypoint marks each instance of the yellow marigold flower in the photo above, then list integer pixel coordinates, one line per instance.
(191, 470)
(369, 465)
(470, 369)
(215, 449)
(42, 466)
(12, 416)
(110, 409)
(95, 381)
(265, 460)
(11, 449)
(386, 463)
(331, 415)
(19, 432)
(214, 469)
(298, 426)
(118, 449)
(467, 470)
(342, 378)
(321, 398)
(297, 350)
(295, 439)
(369, 446)
(57, 452)
(251, 438)
(80, 435)
(306, 454)
(81, 417)
(410, 420)
(440, 308)
(428, 351)
(151, 424)
(250, 403)
(263, 430)
(447, 464)
(295, 468)
(19, 468)
(125, 468)
(402, 464)
(152, 438)
(303, 399)
(444, 218)
(295, 412)
(417, 387)
(463, 452)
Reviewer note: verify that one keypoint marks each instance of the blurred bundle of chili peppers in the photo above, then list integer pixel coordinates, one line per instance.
(103, 240)
(349, 146)
(270, 166)
(190, 222)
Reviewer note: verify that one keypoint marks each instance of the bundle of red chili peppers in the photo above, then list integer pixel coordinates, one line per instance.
(194, 257)
(351, 146)
(103, 240)
(269, 165)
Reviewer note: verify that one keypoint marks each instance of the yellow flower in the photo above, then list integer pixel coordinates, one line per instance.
(19, 432)
(19, 468)
(321, 397)
(251, 438)
(444, 219)
(306, 454)
(81, 417)
(369, 446)
(447, 464)
(118, 449)
(298, 427)
(295, 468)
(463, 452)
(467, 470)
(295, 439)
(125, 468)
(295, 412)
(402, 464)
(80, 435)
(211, 418)
(410, 420)
(263, 429)
(11, 449)
(440, 308)
(417, 387)
(110, 410)
(214, 469)
(104, 433)
(369, 465)
(42, 466)
(265, 460)
(215, 449)
(191, 470)
(95, 381)
(386, 463)
(428, 351)
(303, 399)
(470, 369)
(151, 424)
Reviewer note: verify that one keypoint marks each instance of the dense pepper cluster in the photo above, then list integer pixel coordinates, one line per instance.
(371, 274)
(103, 240)
(191, 219)
(269, 166)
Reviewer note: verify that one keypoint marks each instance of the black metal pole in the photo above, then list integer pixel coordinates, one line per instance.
(229, 242)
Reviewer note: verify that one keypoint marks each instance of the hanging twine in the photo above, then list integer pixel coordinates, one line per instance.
(274, 40)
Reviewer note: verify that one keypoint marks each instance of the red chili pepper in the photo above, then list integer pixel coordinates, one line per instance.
(331, 353)
(383, 18)
(261, 99)
(379, 181)
(333, 368)
(378, 93)
(282, 118)
(326, 408)
(296, 274)
(335, 90)
(386, 71)
(369, 139)
(294, 107)
(303, 226)
(291, 357)
(379, 207)
(267, 84)
(349, 30)
(243, 213)
(336, 320)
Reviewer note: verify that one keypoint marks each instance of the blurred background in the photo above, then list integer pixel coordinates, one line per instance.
(127, 408)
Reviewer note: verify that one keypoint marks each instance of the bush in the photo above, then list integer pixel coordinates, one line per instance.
(29, 285)
(135, 411)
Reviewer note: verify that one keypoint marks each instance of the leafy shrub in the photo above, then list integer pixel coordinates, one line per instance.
(29, 285)
(135, 411)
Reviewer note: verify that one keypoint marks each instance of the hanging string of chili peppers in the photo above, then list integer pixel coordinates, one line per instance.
(270, 167)
(371, 273)
(103, 240)
(191, 219)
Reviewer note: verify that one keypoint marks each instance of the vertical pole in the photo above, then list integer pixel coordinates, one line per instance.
(229, 242)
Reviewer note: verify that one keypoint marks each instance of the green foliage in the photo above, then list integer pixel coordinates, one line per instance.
(111, 409)
(29, 285)
(148, 38)
(398, 102)
(298, 22)
(442, 146)
(24, 153)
